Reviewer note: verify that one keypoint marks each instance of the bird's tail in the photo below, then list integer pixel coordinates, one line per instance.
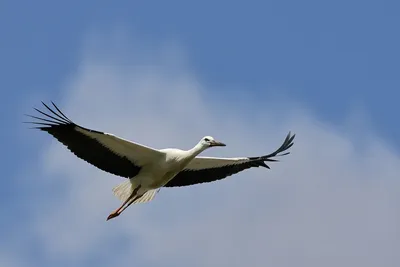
(125, 189)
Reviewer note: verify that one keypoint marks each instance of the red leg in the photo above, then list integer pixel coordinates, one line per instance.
(118, 211)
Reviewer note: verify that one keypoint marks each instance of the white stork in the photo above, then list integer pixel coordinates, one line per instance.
(146, 168)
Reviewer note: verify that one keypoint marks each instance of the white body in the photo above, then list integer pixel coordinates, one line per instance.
(157, 173)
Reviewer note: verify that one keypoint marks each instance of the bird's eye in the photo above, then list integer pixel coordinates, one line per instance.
(206, 139)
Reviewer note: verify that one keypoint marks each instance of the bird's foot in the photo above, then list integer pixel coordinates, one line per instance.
(113, 215)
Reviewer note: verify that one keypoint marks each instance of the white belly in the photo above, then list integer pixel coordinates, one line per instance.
(153, 178)
(156, 182)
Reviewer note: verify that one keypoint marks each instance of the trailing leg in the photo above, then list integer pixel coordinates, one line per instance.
(118, 211)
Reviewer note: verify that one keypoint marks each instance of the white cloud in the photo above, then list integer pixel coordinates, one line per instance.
(327, 204)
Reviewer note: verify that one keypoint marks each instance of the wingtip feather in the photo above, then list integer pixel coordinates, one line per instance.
(52, 119)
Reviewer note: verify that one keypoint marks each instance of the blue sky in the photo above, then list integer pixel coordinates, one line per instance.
(334, 59)
(328, 55)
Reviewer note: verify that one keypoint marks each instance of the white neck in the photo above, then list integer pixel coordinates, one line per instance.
(197, 149)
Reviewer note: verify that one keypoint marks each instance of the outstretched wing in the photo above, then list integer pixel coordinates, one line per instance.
(105, 151)
(208, 169)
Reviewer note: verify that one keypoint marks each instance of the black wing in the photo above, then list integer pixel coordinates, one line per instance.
(204, 170)
(97, 148)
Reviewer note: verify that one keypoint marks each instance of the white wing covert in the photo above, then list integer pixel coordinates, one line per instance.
(105, 151)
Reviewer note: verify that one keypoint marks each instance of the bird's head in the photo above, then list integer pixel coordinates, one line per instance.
(209, 141)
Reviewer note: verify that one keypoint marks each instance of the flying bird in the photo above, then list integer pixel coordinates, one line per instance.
(147, 169)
